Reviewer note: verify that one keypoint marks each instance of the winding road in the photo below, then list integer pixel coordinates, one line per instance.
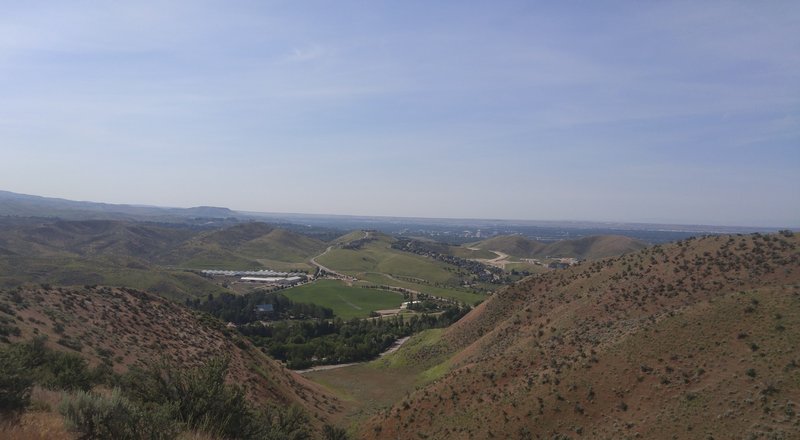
(314, 261)
(500, 261)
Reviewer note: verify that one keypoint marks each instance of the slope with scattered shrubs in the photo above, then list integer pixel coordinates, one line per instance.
(696, 339)
(120, 331)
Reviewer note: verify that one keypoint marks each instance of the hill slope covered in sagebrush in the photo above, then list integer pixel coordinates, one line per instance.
(690, 340)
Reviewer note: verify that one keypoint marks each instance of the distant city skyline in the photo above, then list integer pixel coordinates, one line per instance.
(655, 112)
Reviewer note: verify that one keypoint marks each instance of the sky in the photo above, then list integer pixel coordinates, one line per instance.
(672, 112)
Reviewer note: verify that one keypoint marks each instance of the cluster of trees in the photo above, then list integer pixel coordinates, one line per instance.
(159, 402)
(357, 244)
(241, 309)
(481, 272)
(303, 344)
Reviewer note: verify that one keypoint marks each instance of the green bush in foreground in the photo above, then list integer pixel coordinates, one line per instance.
(199, 399)
(115, 417)
(15, 381)
(152, 404)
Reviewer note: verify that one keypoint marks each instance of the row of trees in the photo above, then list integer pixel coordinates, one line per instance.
(241, 309)
(302, 344)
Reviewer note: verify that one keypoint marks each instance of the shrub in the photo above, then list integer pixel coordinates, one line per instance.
(98, 417)
(15, 380)
(330, 432)
(200, 397)
(115, 417)
(67, 371)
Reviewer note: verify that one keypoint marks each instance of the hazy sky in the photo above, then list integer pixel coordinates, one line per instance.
(628, 111)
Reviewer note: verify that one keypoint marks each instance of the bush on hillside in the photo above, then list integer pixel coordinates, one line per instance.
(66, 371)
(115, 417)
(99, 417)
(202, 401)
(15, 380)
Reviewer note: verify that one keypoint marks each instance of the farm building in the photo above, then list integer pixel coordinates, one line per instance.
(272, 280)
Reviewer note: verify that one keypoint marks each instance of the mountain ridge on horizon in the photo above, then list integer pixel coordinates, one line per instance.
(28, 205)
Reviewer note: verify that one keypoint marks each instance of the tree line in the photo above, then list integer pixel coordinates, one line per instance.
(243, 309)
(302, 344)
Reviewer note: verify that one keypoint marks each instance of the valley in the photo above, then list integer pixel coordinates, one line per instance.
(504, 337)
(402, 220)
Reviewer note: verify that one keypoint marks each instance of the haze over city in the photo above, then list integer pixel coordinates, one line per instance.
(623, 111)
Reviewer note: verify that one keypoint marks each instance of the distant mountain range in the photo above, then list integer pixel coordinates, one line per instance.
(22, 205)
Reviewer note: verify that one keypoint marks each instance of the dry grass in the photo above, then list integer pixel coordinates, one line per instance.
(654, 344)
(35, 426)
(128, 328)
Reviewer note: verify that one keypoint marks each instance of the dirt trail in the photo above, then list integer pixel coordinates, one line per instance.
(500, 261)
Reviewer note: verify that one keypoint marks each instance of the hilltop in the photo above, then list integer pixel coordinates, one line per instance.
(248, 245)
(695, 339)
(592, 247)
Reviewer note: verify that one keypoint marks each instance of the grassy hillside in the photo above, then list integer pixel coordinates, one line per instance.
(691, 340)
(283, 245)
(88, 238)
(347, 302)
(378, 256)
(138, 255)
(124, 328)
(599, 246)
(244, 246)
(514, 245)
(118, 272)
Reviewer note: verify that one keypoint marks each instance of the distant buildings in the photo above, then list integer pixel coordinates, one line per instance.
(273, 280)
(264, 308)
(260, 276)
(243, 273)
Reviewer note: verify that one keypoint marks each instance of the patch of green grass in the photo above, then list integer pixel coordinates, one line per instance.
(365, 390)
(434, 372)
(282, 245)
(219, 260)
(283, 266)
(530, 267)
(456, 294)
(378, 256)
(465, 252)
(347, 302)
(409, 354)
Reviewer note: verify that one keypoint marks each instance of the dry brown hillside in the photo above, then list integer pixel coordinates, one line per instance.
(125, 327)
(697, 339)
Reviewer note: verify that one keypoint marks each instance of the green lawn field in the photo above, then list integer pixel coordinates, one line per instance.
(456, 294)
(347, 302)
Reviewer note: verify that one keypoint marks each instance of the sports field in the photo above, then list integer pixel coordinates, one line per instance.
(347, 302)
